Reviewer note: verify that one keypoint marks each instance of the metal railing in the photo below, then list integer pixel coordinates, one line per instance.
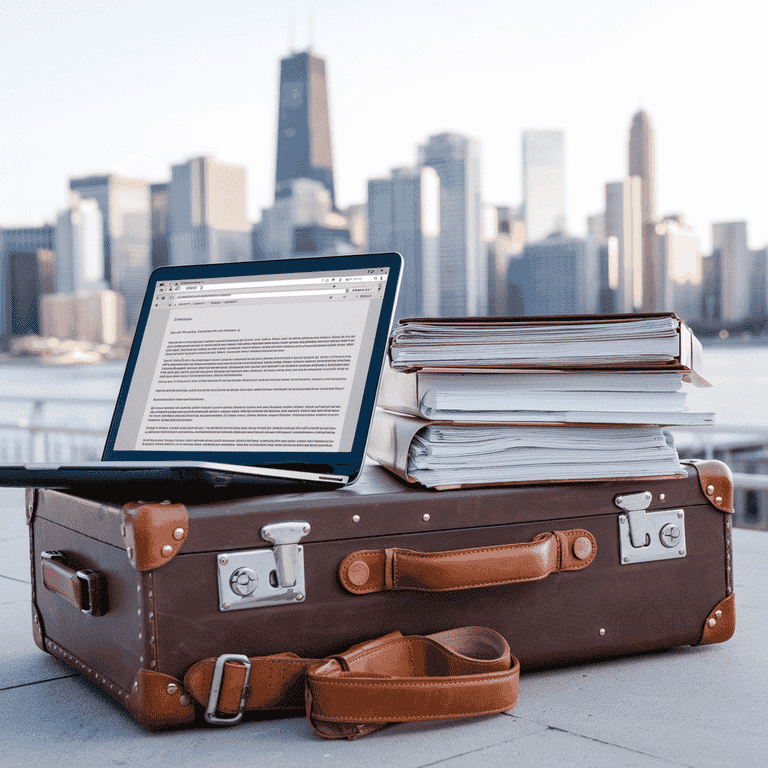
(32, 439)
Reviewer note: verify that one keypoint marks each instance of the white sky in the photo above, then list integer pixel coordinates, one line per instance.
(132, 87)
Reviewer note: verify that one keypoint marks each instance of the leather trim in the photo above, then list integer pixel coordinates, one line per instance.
(148, 643)
(30, 504)
(371, 570)
(728, 526)
(717, 476)
(158, 701)
(107, 685)
(148, 531)
(718, 629)
(37, 629)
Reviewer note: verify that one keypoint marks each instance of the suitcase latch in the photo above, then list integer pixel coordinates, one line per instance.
(646, 536)
(259, 578)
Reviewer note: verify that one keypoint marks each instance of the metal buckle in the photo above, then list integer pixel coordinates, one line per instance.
(213, 698)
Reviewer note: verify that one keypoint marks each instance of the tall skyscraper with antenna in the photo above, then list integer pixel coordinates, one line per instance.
(303, 130)
(642, 163)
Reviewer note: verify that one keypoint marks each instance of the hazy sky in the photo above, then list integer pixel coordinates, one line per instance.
(132, 87)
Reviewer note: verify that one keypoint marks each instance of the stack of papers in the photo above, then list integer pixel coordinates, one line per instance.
(453, 455)
(480, 401)
(645, 340)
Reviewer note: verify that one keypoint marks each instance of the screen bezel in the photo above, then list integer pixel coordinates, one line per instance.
(335, 463)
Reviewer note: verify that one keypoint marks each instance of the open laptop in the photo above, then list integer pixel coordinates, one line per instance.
(253, 372)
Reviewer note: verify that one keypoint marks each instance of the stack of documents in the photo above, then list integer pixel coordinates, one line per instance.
(474, 402)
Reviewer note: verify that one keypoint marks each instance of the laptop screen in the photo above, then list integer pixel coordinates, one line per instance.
(269, 362)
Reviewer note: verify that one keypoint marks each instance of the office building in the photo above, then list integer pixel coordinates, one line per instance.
(126, 211)
(463, 260)
(596, 228)
(758, 304)
(303, 130)
(357, 224)
(79, 246)
(307, 205)
(543, 183)
(624, 253)
(711, 309)
(24, 288)
(209, 220)
(642, 163)
(97, 316)
(678, 283)
(404, 216)
(505, 242)
(160, 201)
(729, 239)
(317, 240)
(18, 240)
(562, 274)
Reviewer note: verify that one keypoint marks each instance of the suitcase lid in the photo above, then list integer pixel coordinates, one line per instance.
(377, 505)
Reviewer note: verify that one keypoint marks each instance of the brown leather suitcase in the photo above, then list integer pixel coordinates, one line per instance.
(134, 594)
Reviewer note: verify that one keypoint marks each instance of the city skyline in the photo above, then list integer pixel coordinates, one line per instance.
(377, 115)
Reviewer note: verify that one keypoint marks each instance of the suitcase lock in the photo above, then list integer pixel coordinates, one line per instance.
(264, 577)
(647, 536)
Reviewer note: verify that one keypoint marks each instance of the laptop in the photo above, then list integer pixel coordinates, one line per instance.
(246, 373)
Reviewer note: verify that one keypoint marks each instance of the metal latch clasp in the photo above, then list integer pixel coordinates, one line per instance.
(262, 577)
(646, 536)
(635, 505)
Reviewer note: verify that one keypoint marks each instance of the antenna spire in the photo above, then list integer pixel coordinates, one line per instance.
(291, 32)
(311, 26)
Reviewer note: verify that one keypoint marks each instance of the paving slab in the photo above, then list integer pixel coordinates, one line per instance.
(554, 749)
(69, 722)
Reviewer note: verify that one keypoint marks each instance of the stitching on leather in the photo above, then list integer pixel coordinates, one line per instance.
(368, 556)
(446, 555)
(411, 641)
(583, 564)
(411, 717)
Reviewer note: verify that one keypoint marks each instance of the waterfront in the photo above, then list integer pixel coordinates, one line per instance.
(83, 397)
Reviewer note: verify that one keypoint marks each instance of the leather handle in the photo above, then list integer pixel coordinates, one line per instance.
(83, 588)
(379, 570)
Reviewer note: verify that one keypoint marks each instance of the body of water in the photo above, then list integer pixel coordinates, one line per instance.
(739, 395)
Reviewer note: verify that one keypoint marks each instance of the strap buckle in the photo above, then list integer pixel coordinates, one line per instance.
(213, 698)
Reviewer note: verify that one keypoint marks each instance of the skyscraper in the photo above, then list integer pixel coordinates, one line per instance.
(543, 183)
(463, 271)
(404, 216)
(79, 247)
(160, 195)
(126, 212)
(678, 284)
(642, 163)
(303, 130)
(623, 231)
(563, 276)
(19, 240)
(208, 220)
(736, 265)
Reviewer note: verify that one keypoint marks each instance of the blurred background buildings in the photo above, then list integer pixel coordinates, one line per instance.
(83, 277)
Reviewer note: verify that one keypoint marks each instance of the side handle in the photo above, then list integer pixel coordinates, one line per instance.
(379, 570)
(83, 588)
